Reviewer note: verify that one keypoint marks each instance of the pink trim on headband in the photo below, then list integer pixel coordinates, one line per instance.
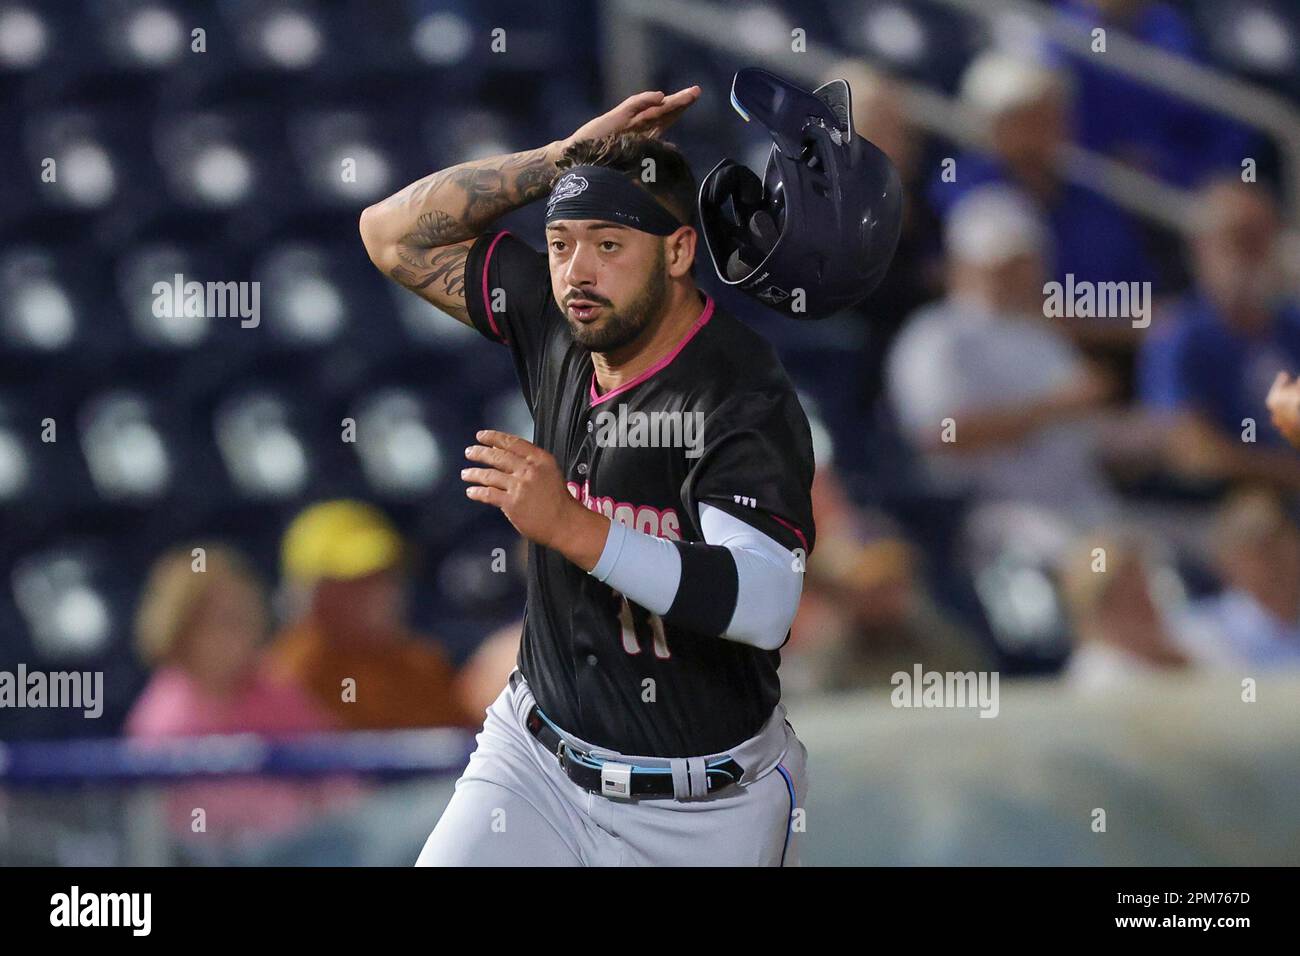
(663, 363)
(487, 305)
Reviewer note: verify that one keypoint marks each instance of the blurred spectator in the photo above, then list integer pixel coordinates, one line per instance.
(993, 395)
(483, 677)
(915, 276)
(1255, 621)
(1210, 364)
(1163, 134)
(1119, 632)
(865, 615)
(1023, 110)
(201, 631)
(350, 645)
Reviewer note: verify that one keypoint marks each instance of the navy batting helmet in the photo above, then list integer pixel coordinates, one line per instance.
(817, 234)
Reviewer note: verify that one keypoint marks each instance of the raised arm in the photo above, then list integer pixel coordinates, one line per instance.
(421, 236)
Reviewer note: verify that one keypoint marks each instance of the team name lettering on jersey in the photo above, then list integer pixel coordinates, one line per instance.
(644, 518)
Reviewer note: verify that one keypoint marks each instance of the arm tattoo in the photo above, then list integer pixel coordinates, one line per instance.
(430, 230)
(444, 266)
(459, 203)
(533, 172)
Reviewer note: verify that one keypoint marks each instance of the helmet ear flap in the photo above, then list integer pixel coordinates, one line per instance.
(732, 199)
(763, 232)
(737, 267)
(762, 235)
(738, 184)
(747, 188)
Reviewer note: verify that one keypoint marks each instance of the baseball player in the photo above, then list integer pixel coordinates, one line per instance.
(665, 496)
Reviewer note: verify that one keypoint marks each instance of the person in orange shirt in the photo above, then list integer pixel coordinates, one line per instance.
(349, 645)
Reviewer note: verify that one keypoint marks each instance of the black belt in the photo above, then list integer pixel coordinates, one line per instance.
(613, 779)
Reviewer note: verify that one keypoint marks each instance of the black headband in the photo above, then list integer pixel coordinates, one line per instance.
(595, 192)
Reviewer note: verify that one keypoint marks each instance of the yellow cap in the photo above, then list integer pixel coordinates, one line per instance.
(340, 540)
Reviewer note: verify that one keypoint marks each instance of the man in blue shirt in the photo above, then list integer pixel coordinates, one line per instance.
(1210, 364)
(1024, 109)
(1164, 134)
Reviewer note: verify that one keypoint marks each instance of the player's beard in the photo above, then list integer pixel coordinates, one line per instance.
(621, 327)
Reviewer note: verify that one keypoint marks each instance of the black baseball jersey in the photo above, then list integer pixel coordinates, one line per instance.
(589, 654)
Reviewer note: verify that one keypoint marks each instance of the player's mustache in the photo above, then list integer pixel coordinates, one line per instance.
(586, 297)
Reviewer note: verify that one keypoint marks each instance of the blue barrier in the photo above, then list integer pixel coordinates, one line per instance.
(384, 754)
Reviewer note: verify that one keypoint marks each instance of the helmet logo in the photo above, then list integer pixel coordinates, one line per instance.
(772, 295)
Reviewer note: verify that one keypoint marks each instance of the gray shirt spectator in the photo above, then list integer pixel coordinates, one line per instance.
(993, 396)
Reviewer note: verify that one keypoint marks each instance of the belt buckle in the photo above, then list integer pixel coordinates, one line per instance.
(615, 779)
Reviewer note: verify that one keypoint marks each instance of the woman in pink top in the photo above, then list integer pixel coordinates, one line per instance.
(201, 625)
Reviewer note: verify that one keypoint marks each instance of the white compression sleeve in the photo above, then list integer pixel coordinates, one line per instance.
(769, 579)
(648, 571)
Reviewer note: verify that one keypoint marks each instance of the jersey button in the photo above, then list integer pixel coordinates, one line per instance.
(591, 427)
(582, 467)
(592, 660)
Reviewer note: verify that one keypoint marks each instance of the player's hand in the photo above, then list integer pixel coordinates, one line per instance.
(525, 482)
(1284, 407)
(649, 113)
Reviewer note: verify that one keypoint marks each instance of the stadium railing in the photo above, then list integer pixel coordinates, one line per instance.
(626, 36)
(357, 798)
(1196, 771)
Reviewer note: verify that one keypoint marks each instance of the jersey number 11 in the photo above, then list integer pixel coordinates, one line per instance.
(639, 627)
